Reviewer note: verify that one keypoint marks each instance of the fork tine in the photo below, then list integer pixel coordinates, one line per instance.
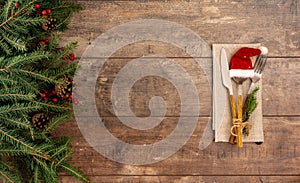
(256, 61)
(261, 65)
(264, 62)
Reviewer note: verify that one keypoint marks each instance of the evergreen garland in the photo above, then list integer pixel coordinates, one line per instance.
(31, 65)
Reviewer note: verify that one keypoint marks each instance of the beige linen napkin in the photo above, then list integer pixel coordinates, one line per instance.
(222, 119)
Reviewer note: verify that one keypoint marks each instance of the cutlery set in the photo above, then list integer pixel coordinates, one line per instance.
(239, 70)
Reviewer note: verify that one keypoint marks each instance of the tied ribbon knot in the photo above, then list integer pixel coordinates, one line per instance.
(238, 122)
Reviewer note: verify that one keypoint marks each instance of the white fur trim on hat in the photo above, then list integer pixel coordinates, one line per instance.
(241, 73)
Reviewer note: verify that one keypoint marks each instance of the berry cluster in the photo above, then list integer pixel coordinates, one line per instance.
(50, 96)
(44, 12)
(42, 42)
(72, 56)
(60, 92)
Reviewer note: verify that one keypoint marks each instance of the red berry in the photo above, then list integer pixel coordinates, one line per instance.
(17, 5)
(49, 11)
(44, 16)
(53, 92)
(75, 101)
(44, 12)
(41, 42)
(55, 100)
(47, 41)
(72, 56)
(66, 103)
(43, 95)
(71, 96)
(37, 5)
(45, 98)
(46, 91)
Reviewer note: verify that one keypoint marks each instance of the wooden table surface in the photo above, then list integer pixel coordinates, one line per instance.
(274, 23)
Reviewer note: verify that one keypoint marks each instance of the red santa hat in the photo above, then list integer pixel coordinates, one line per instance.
(241, 64)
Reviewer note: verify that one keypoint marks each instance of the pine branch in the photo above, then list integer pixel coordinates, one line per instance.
(8, 175)
(26, 85)
(36, 174)
(26, 59)
(250, 105)
(64, 150)
(17, 43)
(57, 121)
(6, 150)
(20, 142)
(16, 96)
(14, 122)
(36, 75)
(4, 46)
(53, 107)
(49, 173)
(75, 172)
(9, 7)
(15, 108)
(27, 68)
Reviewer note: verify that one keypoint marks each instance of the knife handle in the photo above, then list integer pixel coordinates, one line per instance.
(233, 112)
(233, 109)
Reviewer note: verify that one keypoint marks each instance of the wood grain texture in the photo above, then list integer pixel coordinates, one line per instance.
(274, 157)
(280, 79)
(275, 24)
(189, 179)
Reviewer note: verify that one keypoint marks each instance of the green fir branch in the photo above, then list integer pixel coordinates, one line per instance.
(14, 122)
(4, 46)
(251, 104)
(57, 121)
(17, 96)
(26, 59)
(15, 108)
(37, 75)
(27, 68)
(9, 176)
(8, 172)
(20, 142)
(52, 107)
(36, 174)
(11, 151)
(49, 173)
(17, 43)
(75, 172)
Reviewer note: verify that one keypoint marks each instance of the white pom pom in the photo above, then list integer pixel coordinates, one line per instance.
(264, 50)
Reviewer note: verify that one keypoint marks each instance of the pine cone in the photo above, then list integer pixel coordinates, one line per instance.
(50, 24)
(64, 89)
(40, 120)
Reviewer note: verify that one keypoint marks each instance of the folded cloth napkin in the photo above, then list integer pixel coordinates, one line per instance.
(222, 119)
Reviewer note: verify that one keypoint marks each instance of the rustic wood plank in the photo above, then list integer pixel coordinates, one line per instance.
(278, 155)
(280, 92)
(184, 179)
(273, 23)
